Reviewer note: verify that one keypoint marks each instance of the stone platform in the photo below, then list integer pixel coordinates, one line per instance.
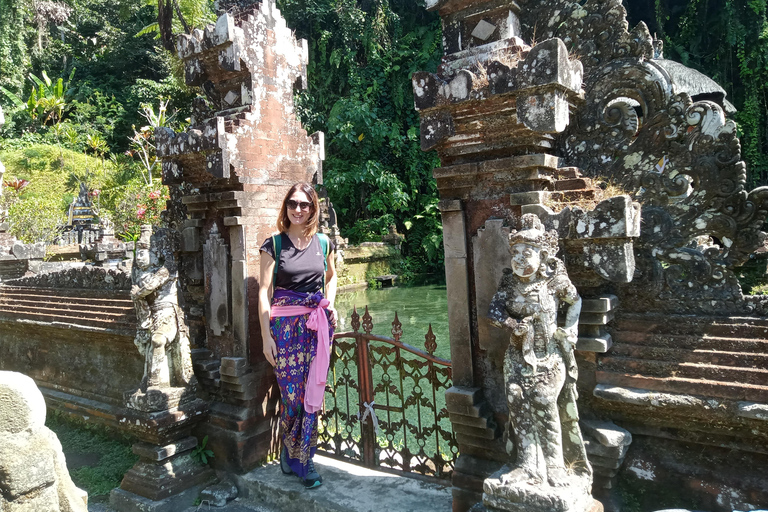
(346, 487)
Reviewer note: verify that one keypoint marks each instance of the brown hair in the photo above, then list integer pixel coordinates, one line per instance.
(310, 228)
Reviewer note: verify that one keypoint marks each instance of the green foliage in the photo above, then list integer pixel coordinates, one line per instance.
(200, 453)
(359, 93)
(727, 40)
(35, 219)
(113, 450)
(14, 54)
(116, 71)
(54, 174)
(137, 204)
(195, 13)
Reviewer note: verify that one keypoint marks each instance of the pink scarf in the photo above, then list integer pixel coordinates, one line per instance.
(318, 368)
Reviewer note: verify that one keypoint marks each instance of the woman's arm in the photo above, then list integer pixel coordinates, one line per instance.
(330, 285)
(266, 271)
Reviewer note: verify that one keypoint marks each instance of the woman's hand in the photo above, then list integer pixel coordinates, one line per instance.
(332, 316)
(270, 349)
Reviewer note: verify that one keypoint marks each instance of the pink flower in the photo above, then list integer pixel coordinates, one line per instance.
(95, 192)
(140, 211)
(155, 194)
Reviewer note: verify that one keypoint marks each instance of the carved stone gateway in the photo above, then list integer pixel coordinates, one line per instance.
(227, 176)
(593, 131)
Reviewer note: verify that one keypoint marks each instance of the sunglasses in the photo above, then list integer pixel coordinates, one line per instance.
(292, 205)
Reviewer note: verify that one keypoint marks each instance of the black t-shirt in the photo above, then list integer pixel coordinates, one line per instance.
(298, 271)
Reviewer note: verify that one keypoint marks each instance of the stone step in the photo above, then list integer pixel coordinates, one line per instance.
(62, 295)
(346, 487)
(702, 371)
(587, 194)
(573, 184)
(89, 306)
(692, 342)
(564, 173)
(733, 327)
(678, 355)
(81, 312)
(680, 385)
(115, 324)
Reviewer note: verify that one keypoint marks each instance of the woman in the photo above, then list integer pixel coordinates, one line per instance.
(298, 279)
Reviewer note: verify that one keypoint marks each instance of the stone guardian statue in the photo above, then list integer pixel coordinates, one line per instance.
(540, 372)
(162, 336)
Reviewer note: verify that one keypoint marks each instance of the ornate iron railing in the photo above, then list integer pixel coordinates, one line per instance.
(385, 403)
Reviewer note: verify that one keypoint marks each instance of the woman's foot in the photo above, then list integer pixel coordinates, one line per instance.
(313, 479)
(284, 467)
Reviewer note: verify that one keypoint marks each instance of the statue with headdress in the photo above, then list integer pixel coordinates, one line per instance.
(539, 366)
(162, 336)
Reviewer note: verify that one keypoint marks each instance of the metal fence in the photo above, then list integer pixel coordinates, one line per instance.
(385, 403)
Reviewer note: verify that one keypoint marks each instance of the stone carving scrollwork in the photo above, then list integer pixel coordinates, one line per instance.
(679, 158)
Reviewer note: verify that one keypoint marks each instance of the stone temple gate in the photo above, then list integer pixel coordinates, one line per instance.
(557, 108)
(228, 173)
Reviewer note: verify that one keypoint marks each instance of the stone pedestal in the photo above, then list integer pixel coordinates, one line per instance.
(165, 478)
(530, 497)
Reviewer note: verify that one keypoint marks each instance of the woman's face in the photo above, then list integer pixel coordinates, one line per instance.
(526, 259)
(299, 207)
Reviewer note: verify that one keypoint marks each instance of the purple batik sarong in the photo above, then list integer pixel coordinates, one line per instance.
(296, 347)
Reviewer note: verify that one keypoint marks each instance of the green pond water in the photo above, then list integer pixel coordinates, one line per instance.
(416, 306)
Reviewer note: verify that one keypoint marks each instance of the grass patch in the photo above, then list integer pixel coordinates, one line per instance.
(104, 453)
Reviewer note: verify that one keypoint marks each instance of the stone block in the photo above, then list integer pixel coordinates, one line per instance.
(28, 251)
(33, 471)
(218, 495)
(491, 255)
(546, 112)
(27, 463)
(548, 63)
(471, 421)
(190, 239)
(604, 462)
(480, 433)
(157, 453)
(752, 410)
(527, 198)
(454, 234)
(22, 406)
(596, 318)
(606, 433)
(207, 365)
(462, 396)
(599, 344)
(601, 304)
(124, 501)
(234, 366)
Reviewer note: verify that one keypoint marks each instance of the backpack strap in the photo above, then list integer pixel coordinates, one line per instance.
(325, 244)
(277, 243)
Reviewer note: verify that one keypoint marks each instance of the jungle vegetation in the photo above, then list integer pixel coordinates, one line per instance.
(95, 77)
